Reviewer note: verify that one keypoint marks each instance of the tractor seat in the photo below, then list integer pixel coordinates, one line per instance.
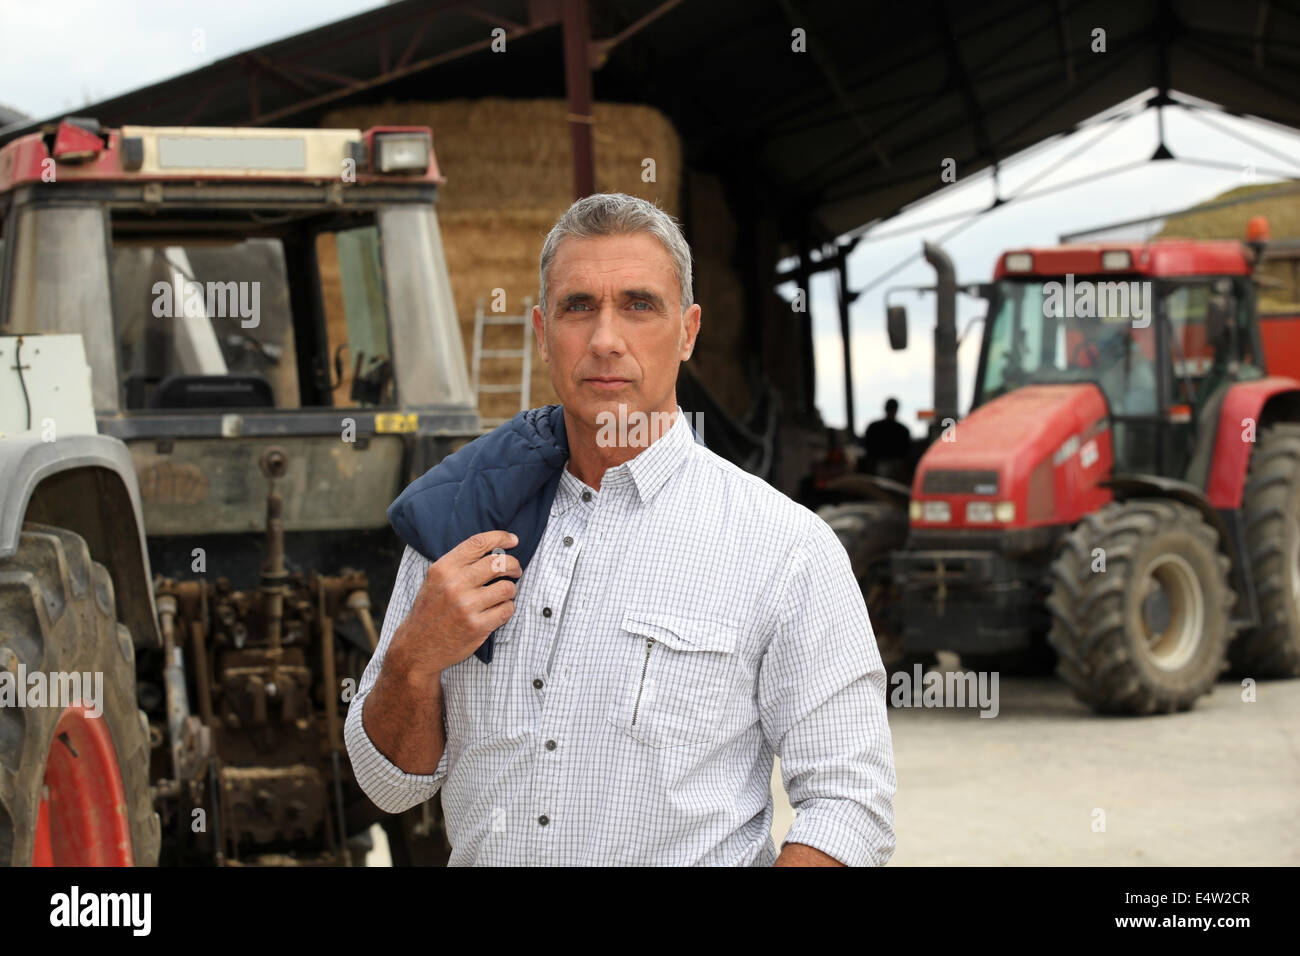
(213, 391)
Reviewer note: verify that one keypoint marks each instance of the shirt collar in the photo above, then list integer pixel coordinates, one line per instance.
(647, 472)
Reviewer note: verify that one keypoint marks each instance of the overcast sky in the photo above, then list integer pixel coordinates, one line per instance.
(58, 55)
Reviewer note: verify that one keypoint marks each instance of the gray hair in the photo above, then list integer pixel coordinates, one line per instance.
(618, 214)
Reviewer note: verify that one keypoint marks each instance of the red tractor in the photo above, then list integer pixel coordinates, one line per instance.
(1124, 496)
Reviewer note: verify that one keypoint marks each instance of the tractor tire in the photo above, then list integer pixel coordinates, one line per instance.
(870, 532)
(58, 614)
(1271, 509)
(1149, 633)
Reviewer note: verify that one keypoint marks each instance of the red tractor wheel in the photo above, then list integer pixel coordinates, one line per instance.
(74, 774)
(80, 821)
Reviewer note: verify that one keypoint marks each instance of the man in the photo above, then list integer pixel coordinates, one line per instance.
(680, 620)
(886, 444)
(1118, 363)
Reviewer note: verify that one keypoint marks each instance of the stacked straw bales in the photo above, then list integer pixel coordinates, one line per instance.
(508, 165)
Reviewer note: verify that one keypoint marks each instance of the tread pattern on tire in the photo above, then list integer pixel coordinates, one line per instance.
(1095, 656)
(58, 614)
(1272, 649)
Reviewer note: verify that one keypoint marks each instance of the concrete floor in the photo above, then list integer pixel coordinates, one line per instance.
(1219, 785)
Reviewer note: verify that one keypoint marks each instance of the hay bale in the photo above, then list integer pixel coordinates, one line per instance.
(508, 165)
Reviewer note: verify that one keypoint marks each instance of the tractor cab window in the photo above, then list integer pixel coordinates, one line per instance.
(253, 310)
(1200, 365)
(356, 320)
(1036, 337)
(204, 324)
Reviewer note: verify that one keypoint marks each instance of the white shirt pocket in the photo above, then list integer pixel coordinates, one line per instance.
(682, 681)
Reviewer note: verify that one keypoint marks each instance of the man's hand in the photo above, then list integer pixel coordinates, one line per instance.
(454, 613)
(799, 854)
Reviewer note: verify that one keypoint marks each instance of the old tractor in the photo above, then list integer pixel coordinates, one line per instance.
(223, 352)
(1122, 502)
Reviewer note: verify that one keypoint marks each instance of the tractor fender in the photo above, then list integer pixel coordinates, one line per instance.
(1154, 486)
(1247, 407)
(86, 484)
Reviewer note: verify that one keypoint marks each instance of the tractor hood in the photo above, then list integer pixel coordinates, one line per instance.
(1029, 458)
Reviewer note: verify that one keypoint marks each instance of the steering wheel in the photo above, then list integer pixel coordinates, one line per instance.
(1088, 348)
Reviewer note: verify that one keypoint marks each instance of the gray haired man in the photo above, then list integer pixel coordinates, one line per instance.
(679, 623)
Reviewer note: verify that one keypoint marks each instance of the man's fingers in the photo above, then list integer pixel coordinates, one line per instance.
(477, 545)
(489, 597)
(494, 617)
(494, 566)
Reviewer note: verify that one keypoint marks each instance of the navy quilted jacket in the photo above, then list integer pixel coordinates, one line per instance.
(505, 480)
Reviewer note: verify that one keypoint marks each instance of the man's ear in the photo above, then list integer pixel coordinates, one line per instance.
(539, 330)
(690, 331)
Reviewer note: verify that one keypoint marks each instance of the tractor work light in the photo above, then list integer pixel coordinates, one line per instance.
(1019, 262)
(406, 152)
(979, 512)
(936, 511)
(1117, 259)
(1004, 512)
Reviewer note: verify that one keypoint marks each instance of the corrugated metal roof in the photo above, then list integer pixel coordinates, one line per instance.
(847, 133)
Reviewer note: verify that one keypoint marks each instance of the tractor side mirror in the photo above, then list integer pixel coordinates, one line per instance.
(896, 325)
(1219, 313)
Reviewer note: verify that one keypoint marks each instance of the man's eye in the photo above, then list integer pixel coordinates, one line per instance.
(573, 306)
(640, 305)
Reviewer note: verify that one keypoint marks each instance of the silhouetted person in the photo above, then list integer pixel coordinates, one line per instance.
(887, 444)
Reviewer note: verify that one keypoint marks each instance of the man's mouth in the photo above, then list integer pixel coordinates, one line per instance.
(607, 382)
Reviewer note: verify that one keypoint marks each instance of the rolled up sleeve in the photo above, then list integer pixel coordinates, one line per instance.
(822, 707)
(388, 786)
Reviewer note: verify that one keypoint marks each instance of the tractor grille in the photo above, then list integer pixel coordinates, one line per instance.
(963, 482)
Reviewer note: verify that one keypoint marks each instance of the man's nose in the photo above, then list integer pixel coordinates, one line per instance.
(606, 337)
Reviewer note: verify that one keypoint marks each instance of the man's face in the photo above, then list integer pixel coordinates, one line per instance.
(615, 332)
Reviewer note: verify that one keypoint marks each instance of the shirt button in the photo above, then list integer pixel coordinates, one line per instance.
(543, 819)
(586, 496)
(568, 541)
(546, 612)
(537, 682)
(550, 745)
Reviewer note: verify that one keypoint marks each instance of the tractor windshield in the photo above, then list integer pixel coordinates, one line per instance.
(194, 307)
(1058, 331)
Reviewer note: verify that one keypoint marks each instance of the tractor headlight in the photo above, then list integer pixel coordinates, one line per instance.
(937, 511)
(402, 152)
(1005, 512)
(979, 512)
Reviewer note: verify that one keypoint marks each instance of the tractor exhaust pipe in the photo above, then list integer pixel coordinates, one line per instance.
(945, 335)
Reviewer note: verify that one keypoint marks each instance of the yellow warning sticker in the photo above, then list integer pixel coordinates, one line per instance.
(388, 422)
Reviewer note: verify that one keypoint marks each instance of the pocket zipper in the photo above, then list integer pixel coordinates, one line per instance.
(649, 642)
